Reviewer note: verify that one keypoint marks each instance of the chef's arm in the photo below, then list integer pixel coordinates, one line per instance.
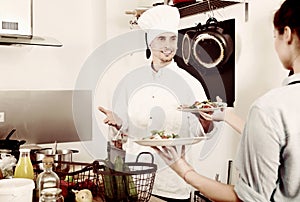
(111, 119)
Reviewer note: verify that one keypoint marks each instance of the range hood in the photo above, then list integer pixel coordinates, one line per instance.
(16, 28)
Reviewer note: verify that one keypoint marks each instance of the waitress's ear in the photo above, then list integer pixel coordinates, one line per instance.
(287, 34)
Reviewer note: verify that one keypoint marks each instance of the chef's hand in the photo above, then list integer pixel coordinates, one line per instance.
(175, 160)
(111, 119)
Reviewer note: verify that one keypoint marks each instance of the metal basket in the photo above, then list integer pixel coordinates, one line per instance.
(133, 184)
(198, 197)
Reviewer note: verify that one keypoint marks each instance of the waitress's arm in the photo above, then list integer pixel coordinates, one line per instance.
(228, 115)
(234, 121)
(210, 188)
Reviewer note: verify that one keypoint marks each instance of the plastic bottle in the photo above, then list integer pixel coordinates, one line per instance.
(24, 168)
(48, 178)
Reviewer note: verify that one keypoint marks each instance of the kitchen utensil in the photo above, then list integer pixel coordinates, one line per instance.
(12, 145)
(10, 134)
(61, 155)
(211, 43)
(207, 45)
(54, 148)
(186, 46)
(117, 136)
(7, 143)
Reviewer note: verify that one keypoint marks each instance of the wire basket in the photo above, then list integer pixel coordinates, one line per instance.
(78, 176)
(133, 184)
(198, 197)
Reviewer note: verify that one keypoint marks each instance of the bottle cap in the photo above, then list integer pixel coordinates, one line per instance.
(24, 150)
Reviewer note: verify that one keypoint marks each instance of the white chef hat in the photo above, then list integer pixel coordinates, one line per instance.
(159, 19)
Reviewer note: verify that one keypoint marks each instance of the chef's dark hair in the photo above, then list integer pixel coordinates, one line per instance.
(148, 52)
(288, 15)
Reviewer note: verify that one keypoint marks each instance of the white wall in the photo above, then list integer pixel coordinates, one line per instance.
(84, 25)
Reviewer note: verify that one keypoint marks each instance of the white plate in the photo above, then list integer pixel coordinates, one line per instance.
(196, 110)
(170, 142)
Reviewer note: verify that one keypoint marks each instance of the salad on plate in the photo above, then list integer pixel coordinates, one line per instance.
(161, 138)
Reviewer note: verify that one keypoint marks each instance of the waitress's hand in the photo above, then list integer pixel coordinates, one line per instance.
(217, 115)
(111, 119)
(175, 160)
(228, 115)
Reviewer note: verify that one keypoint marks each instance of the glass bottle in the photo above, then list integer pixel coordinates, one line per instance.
(51, 195)
(24, 168)
(48, 178)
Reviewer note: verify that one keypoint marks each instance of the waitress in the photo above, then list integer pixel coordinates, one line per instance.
(268, 155)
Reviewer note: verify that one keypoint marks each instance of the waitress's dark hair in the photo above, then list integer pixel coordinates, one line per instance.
(288, 15)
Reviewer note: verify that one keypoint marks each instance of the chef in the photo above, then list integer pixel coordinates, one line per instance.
(147, 98)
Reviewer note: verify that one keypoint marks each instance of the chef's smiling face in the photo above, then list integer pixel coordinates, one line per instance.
(164, 47)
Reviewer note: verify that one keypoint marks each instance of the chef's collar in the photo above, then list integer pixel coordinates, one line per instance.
(161, 70)
(292, 78)
(167, 66)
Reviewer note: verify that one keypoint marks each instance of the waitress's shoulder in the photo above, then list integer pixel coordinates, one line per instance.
(275, 98)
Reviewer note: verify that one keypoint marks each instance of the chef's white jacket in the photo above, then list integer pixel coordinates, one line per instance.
(147, 100)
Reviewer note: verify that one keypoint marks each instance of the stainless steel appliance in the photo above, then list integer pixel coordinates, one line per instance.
(45, 116)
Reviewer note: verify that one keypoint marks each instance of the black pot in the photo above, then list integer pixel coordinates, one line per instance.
(11, 145)
(207, 45)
